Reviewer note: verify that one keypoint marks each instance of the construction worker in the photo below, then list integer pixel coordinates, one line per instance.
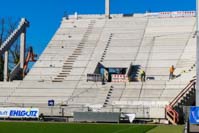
(143, 75)
(171, 70)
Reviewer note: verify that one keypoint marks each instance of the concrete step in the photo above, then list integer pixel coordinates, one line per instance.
(67, 66)
(66, 71)
(69, 61)
(63, 73)
(57, 80)
(76, 54)
(61, 76)
(72, 56)
(80, 47)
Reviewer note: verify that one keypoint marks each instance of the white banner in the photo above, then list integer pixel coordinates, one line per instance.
(19, 112)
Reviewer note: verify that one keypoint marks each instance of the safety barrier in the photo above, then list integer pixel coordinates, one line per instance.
(119, 78)
(94, 77)
(177, 14)
(174, 14)
(172, 115)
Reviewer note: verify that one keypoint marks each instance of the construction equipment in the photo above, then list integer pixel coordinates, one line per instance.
(29, 58)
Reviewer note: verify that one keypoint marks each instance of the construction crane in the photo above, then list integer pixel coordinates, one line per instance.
(29, 58)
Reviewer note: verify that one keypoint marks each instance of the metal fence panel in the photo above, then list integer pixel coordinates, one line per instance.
(96, 117)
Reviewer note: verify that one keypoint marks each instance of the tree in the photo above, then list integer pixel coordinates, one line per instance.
(2, 26)
(7, 26)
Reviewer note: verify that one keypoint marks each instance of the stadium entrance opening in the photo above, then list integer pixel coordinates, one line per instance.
(110, 74)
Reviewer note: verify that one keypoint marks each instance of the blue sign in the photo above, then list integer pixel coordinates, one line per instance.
(23, 113)
(194, 115)
(51, 102)
(19, 112)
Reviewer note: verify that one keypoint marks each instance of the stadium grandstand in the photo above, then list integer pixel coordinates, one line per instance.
(93, 64)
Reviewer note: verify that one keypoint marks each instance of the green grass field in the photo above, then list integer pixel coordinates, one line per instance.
(28, 127)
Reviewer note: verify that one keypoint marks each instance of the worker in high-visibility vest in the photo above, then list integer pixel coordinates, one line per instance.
(171, 71)
(143, 75)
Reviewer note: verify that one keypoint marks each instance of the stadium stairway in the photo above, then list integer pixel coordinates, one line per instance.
(68, 64)
(106, 48)
(108, 96)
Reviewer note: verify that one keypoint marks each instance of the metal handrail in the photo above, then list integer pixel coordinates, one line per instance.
(184, 91)
(172, 113)
(169, 108)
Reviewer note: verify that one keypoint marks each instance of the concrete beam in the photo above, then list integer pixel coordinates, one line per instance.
(6, 66)
(107, 8)
(22, 48)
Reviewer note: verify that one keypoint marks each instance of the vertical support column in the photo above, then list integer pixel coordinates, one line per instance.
(22, 48)
(107, 8)
(197, 54)
(6, 66)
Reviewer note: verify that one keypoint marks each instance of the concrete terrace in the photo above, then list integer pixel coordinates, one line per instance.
(80, 44)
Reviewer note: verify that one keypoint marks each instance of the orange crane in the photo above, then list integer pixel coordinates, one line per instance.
(29, 58)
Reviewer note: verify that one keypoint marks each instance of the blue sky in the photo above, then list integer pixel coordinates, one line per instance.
(45, 15)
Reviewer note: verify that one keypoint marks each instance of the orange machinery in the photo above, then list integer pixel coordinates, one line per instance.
(29, 58)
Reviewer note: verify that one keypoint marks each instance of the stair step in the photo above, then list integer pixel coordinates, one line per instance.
(68, 61)
(80, 47)
(58, 78)
(57, 81)
(72, 56)
(78, 51)
(61, 75)
(66, 66)
(69, 58)
(66, 71)
(76, 54)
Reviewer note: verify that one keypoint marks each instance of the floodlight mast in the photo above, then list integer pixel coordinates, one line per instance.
(197, 53)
